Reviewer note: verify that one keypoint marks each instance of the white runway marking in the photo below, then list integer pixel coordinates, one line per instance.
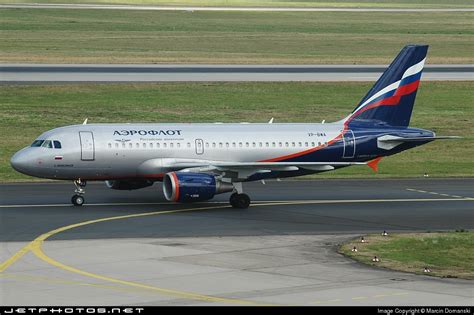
(435, 193)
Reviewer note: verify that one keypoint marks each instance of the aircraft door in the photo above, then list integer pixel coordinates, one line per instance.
(87, 146)
(349, 144)
(199, 146)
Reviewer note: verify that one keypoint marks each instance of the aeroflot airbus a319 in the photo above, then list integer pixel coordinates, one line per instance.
(197, 161)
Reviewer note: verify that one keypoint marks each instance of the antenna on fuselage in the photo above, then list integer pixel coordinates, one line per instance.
(85, 121)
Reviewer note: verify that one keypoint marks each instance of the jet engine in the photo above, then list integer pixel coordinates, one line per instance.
(186, 187)
(131, 184)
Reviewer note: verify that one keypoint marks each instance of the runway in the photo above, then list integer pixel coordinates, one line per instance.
(55, 73)
(132, 247)
(214, 8)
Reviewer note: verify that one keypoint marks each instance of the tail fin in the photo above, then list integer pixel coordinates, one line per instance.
(390, 101)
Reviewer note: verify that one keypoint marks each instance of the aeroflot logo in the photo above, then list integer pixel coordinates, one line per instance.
(169, 132)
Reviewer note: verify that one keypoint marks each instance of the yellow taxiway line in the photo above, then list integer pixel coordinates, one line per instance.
(36, 248)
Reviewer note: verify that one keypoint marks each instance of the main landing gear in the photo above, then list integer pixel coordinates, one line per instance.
(78, 198)
(238, 199)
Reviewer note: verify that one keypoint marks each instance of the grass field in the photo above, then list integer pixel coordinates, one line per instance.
(115, 36)
(276, 3)
(445, 254)
(446, 107)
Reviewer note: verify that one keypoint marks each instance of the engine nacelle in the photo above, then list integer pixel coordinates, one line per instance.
(185, 187)
(131, 184)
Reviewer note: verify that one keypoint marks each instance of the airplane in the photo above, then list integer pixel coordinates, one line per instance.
(196, 161)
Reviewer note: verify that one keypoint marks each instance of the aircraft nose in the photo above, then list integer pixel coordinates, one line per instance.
(19, 161)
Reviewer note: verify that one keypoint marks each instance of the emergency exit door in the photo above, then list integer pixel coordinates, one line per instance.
(199, 146)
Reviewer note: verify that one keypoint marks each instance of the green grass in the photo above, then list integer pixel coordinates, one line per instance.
(276, 3)
(446, 254)
(115, 36)
(446, 107)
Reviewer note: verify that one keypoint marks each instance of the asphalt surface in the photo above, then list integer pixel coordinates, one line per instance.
(279, 251)
(30, 73)
(200, 8)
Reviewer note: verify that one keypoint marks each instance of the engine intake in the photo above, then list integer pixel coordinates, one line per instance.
(128, 184)
(186, 187)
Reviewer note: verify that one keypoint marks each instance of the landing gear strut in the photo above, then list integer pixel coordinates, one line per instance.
(238, 199)
(78, 198)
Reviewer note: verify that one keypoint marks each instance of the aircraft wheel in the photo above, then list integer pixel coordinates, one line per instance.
(239, 201)
(77, 200)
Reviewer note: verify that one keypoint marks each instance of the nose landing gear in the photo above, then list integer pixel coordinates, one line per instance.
(78, 198)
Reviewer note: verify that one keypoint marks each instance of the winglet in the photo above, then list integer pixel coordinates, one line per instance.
(374, 164)
(85, 121)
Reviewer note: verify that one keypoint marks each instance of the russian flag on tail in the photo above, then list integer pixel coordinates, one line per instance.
(390, 101)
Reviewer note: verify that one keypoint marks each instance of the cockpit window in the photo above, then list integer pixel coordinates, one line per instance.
(37, 143)
(47, 144)
(57, 144)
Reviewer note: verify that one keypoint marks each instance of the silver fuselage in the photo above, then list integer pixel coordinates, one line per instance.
(111, 151)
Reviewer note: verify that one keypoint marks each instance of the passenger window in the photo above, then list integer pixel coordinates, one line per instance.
(287, 144)
(306, 144)
(57, 144)
(110, 145)
(300, 144)
(157, 145)
(130, 145)
(312, 144)
(116, 145)
(178, 144)
(151, 145)
(171, 144)
(164, 145)
(123, 145)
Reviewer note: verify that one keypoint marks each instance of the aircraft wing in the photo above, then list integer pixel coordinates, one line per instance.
(243, 170)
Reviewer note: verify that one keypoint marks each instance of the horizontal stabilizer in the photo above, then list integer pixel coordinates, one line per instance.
(389, 142)
(416, 139)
